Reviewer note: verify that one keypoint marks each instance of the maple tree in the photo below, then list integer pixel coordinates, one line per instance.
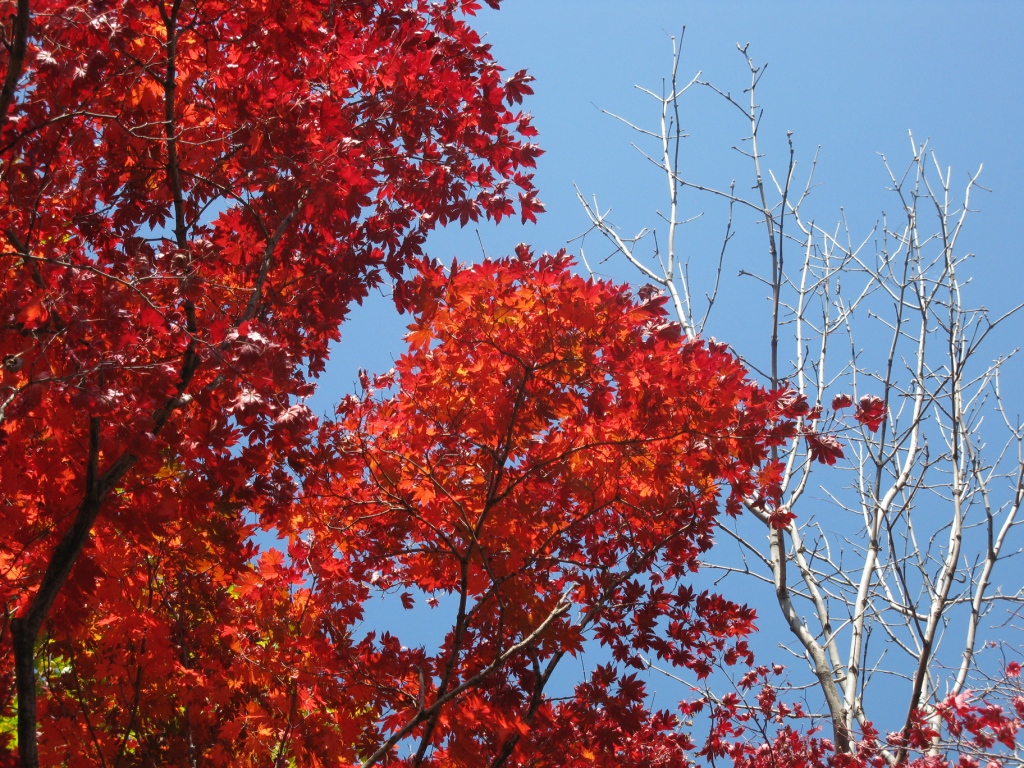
(544, 466)
(193, 193)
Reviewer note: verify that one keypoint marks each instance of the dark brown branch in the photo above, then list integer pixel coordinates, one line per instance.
(170, 84)
(19, 43)
(25, 629)
(268, 259)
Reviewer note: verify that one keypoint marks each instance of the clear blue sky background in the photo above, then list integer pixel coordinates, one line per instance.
(853, 78)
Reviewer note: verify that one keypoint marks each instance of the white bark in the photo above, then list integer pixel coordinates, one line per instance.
(936, 495)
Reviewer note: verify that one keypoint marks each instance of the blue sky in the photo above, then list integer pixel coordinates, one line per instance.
(852, 78)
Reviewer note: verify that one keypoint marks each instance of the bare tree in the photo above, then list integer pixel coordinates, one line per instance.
(892, 563)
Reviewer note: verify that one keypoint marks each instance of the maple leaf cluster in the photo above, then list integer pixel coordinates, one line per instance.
(825, 447)
(554, 458)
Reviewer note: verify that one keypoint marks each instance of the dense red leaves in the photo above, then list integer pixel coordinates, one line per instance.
(544, 466)
(548, 467)
(191, 196)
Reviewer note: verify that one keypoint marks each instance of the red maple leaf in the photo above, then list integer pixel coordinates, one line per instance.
(841, 401)
(824, 448)
(517, 86)
(870, 412)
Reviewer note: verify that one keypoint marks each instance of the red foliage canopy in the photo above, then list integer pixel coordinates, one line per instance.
(544, 466)
(192, 195)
